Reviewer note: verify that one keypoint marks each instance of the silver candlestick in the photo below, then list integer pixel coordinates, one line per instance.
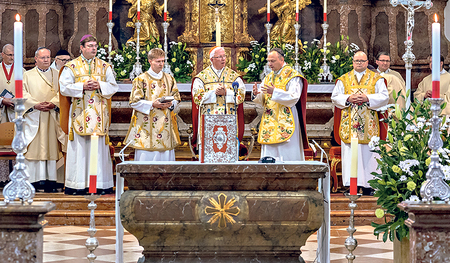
(411, 6)
(434, 185)
(325, 75)
(92, 242)
(267, 69)
(110, 26)
(297, 67)
(166, 67)
(19, 186)
(351, 243)
(137, 67)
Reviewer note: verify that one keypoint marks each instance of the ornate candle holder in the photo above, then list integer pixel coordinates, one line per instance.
(92, 242)
(267, 69)
(325, 74)
(435, 185)
(137, 67)
(110, 26)
(19, 186)
(351, 243)
(411, 6)
(297, 66)
(166, 67)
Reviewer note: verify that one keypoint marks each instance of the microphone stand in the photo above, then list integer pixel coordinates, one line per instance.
(235, 89)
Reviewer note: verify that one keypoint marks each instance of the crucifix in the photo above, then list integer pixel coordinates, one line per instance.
(216, 7)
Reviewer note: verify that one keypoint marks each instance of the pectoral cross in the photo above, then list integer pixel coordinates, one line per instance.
(216, 7)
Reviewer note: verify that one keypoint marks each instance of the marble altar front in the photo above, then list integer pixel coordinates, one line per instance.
(192, 212)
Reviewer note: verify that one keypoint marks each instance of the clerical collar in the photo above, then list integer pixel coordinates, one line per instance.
(8, 66)
(443, 71)
(155, 75)
(360, 73)
(43, 70)
(217, 71)
(87, 60)
(387, 70)
(278, 71)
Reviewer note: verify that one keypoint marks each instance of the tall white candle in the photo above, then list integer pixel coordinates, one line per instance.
(165, 6)
(110, 10)
(18, 56)
(93, 155)
(354, 166)
(296, 6)
(268, 6)
(139, 5)
(218, 34)
(325, 6)
(436, 57)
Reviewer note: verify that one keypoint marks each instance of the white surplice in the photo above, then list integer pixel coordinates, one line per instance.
(292, 149)
(78, 150)
(145, 106)
(366, 159)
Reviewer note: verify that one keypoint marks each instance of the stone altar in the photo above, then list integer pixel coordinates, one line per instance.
(429, 231)
(192, 212)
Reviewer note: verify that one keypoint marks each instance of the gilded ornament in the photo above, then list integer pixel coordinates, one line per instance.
(222, 210)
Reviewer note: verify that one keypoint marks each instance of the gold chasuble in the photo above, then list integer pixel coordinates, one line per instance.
(157, 131)
(359, 119)
(45, 130)
(91, 113)
(277, 122)
(211, 82)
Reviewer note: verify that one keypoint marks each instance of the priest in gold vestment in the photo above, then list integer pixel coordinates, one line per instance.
(43, 134)
(282, 131)
(153, 131)
(358, 94)
(87, 84)
(424, 89)
(213, 93)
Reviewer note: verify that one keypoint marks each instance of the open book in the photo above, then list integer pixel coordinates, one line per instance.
(6, 94)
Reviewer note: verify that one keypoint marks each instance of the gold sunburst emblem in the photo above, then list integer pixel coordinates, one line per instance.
(222, 210)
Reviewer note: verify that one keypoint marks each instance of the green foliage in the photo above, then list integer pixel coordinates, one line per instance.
(403, 163)
(123, 59)
(340, 58)
(253, 63)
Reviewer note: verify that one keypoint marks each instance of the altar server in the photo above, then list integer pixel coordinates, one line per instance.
(43, 134)
(358, 94)
(87, 84)
(282, 131)
(153, 130)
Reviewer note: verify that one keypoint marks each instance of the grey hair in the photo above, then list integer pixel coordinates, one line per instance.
(213, 52)
(39, 49)
(7, 46)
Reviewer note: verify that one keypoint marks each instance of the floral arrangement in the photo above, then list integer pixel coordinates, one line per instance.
(310, 58)
(403, 163)
(124, 59)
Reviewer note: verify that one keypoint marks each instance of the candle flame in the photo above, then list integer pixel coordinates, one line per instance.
(17, 17)
(435, 17)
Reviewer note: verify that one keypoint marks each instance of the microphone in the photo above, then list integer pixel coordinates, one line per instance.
(235, 86)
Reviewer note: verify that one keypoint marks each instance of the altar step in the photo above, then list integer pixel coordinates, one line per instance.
(72, 210)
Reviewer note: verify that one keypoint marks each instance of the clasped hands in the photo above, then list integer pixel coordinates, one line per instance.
(358, 98)
(428, 94)
(91, 85)
(44, 106)
(158, 105)
(266, 89)
(221, 91)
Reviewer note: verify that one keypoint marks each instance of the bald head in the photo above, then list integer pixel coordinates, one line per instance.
(8, 54)
(360, 61)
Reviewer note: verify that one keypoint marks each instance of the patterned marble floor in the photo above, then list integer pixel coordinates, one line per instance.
(65, 244)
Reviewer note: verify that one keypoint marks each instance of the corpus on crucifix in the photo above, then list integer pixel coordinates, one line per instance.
(217, 34)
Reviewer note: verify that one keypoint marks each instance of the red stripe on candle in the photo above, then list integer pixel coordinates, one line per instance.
(93, 184)
(110, 15)
(436, 86)
(324, 17)
(165, 16)
(19, 89)
(296, 17)
(139, 15)
(353, 185)
(268, 17)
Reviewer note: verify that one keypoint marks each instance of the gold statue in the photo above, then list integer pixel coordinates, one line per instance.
(285, 10)
(148, 27)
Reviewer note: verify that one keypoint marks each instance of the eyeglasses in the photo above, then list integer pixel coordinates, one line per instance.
(92, 46)
(359, 61)
(8, 55)
(385, 61)
(219, 57)
(63, 60)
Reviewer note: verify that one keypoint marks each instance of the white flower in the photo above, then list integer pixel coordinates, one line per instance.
(420, 125)
(289, 46)
(307, 64)
(251, 66)
(428, 123)
(403, 178)
(374, 141)
(414, 198)
(316, 40)
(407, 164)
(253, 43)
(446, 171)
(189, 63)
(354, 47)
(412, 128)
(421, 119)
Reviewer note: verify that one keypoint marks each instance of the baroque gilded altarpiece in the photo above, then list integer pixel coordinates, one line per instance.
(199, 31)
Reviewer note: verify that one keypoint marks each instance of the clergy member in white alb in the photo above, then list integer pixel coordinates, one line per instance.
(153, 128)
(43, 133)
(359, 93)
(87, 84)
